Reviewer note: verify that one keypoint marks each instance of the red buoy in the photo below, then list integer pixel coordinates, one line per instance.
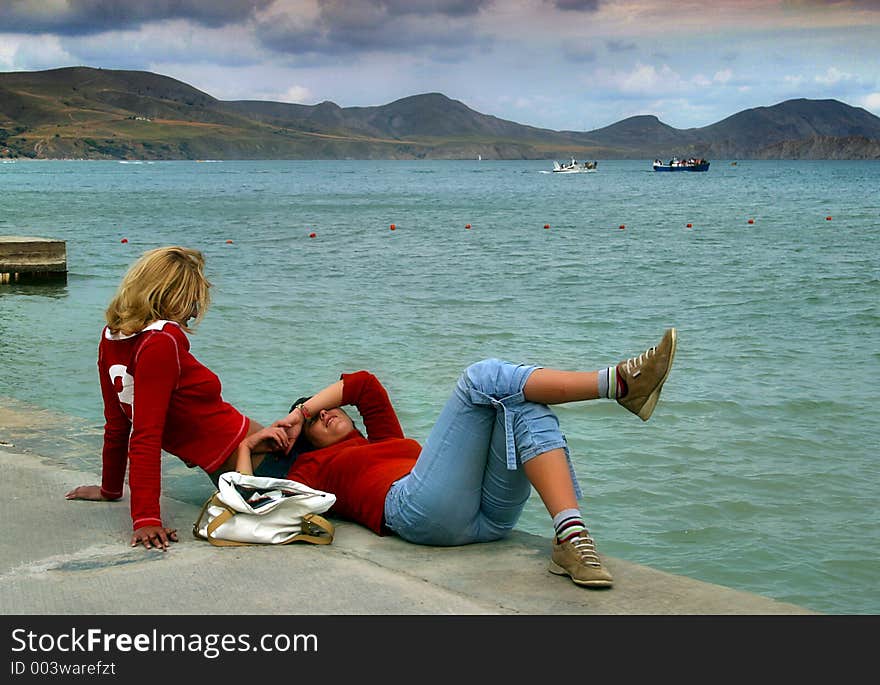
(229, 242)
(546, 225)
(124, 240)
(751, 221)
(622, 226)
(393, 227)
(467, 225)
(690, 225)
(827, 218)
(312, 235)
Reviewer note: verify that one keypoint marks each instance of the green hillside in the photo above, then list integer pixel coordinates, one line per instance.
(81, 112)
(101, 114)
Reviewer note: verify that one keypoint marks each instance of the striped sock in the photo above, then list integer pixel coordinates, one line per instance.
(568, 524)
(609, 383)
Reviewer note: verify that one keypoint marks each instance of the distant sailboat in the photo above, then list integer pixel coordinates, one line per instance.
(479, 158)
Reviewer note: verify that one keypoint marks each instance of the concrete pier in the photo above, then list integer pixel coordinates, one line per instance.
(73, 558)
(27, 259)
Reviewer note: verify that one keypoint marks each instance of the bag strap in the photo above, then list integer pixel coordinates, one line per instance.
(218, 521)
(320, 531)
(198, 523)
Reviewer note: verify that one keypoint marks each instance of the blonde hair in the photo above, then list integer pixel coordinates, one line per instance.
(165, 283)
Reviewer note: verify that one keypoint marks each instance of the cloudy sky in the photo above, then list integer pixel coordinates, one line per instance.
(560, 64)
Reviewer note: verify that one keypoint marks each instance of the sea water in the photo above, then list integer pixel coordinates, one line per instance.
(759, 469)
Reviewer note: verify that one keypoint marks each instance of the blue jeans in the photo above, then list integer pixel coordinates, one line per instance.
(466, 485)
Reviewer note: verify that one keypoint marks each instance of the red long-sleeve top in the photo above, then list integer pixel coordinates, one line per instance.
(157, 396)
(360, 470)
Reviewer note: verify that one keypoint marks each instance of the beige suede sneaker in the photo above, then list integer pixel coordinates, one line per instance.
(578, 559)
(645, 375)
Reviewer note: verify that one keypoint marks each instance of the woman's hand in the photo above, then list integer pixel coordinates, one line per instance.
(268, 439)
(154, 536)
(292, 424)
(264, 440)
(89, 492)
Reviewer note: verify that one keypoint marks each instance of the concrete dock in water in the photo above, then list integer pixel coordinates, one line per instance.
(27, 259)
(60, 557)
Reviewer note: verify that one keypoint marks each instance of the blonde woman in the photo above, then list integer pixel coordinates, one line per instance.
(157, 395)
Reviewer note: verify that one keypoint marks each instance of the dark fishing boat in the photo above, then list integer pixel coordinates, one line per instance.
(676, 164)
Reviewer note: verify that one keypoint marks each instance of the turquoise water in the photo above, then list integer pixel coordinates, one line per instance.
(759, 468)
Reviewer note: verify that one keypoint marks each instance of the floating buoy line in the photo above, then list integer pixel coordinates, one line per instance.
(393, 227)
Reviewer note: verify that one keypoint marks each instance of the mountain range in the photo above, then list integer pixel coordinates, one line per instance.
(88, 113)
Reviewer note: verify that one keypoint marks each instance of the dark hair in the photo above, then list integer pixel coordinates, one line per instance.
(301, 400)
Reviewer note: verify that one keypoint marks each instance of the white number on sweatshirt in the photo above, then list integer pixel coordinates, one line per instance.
(126, 395)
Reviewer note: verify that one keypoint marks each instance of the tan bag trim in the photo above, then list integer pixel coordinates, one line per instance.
(324, 533)
(218, 521)
(198, 524)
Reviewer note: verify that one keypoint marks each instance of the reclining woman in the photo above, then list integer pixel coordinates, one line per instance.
(144, 361)
(495, 439)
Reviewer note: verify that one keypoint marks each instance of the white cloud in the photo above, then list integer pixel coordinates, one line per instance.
(27, 53)
(296, 94)
(675, 110)
(650, 80)
(646, 78)
(832, 76)
(871, 102)
(7, 53)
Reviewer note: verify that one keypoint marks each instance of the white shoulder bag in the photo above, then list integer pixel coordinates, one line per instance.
(255, 510)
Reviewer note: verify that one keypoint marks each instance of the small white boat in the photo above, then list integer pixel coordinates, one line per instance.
(573, 167)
